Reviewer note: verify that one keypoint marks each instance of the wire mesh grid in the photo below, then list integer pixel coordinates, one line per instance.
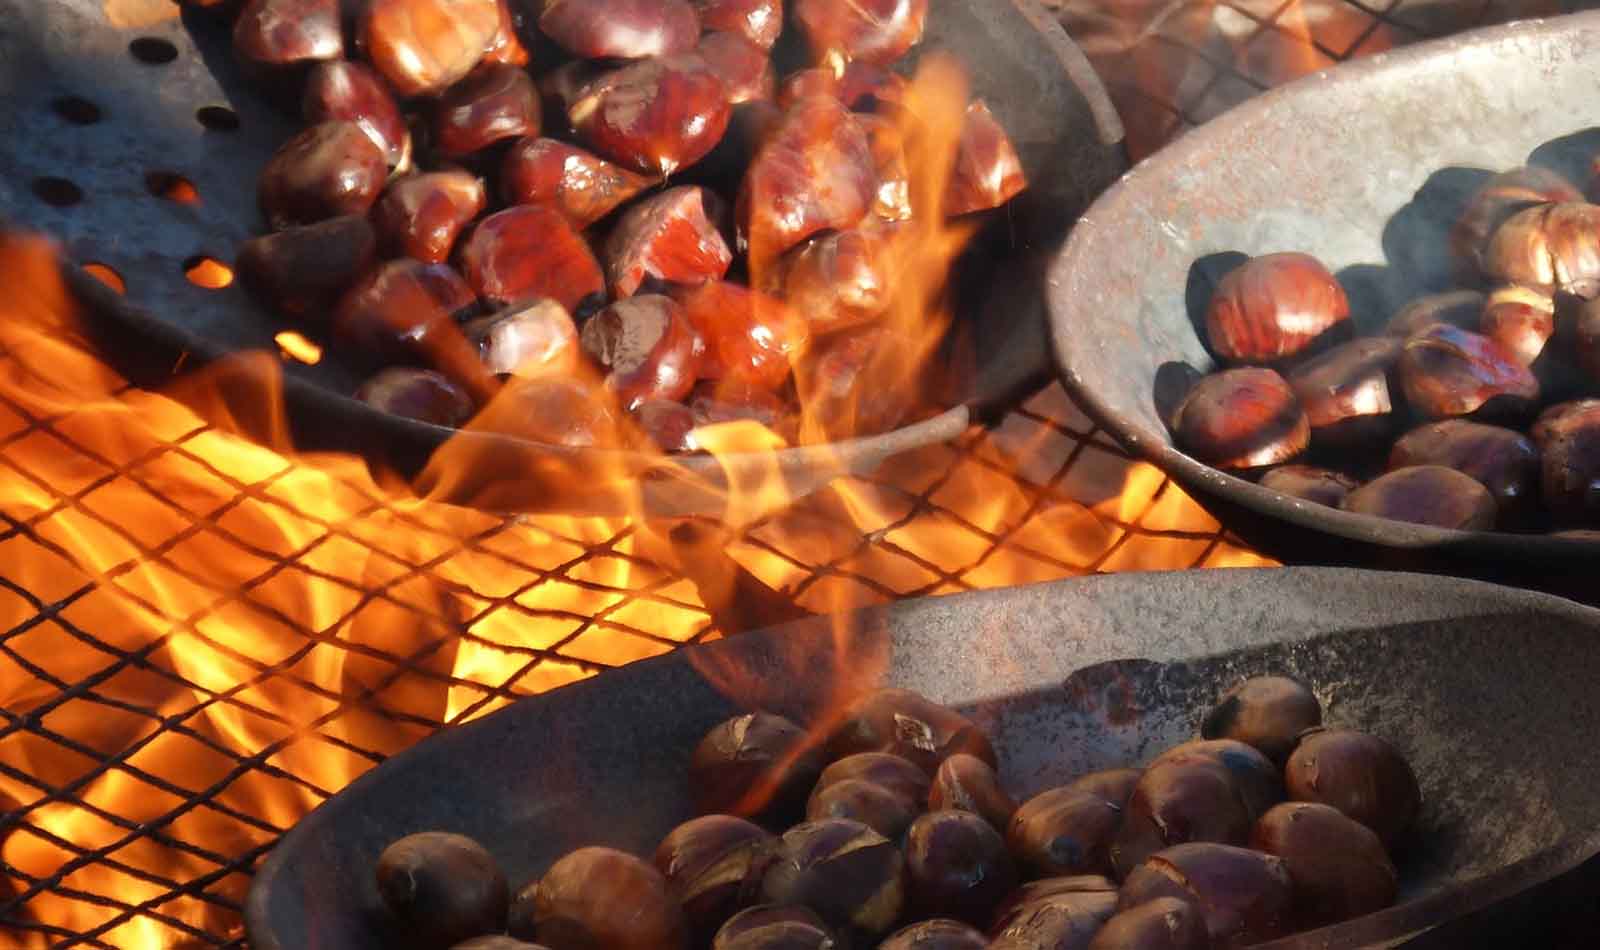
(204, 639)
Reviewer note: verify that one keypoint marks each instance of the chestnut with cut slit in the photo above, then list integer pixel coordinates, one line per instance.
(1447, 371)
(1319, 485)
(908, 724)
(655, 115)
(620, 29)
(1273, 306)
(667, 237)
(1243, 418)
(531, 251)
(779, 927)
(581, 185)
(647, 347)
(580, 902)
(1057, 921)
(968, 783)
(1427, 494)
(344, 91)
(1095, 893)
(714, 865)
(853, 877)
(421, 216)
(327, 170)
(813, 172)
(938, 934)
(498, 942)
(1267, 712)
(1244, 896)
(759, 765)
(885, 811)
(1505, 461)
(442, 888)
(1176, 802)
(1552, 246)
(1061, 832)
(1339, 866)
(957, 866)
(1362, 775)
(1502, 196)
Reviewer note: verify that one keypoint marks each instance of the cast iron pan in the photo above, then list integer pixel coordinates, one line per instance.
(171, 101)
(1487, 690)
(1365, 166)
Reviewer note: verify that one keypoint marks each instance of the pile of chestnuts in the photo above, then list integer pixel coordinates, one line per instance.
(622, 209)
(1474, 409)
(894, 831)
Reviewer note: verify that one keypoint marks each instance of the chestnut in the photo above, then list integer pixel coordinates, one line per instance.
(1062, 832)
(987, 171)
(530, 339)
(1427, 494)
(713, 402)
(1114, 785)
(1193, 798)
(852, 383)
(1505, 461)
(759, 21)
(893, 772)
(840, 279)
(531, 251)
(497, 942)
(306, 268)
(506, 46)
(1501, 197)
(785, 936)
(1166, 923)
(647, 347)
(1243, 418)
(909, 725)
(493, 103)
(667, 425)
(1093, 894)
(577, 904)
(937, 934)
(405, 310)
(555, 410)
(1339, 866)
(666, 237)
(1256, 778)
(885, 811)
(343, 91)
(421, 216)
(620, 29)
(1362, 775)
(422, 47)
(1549, 421)
(442, 888)
(1460, 308)
(327, 170)
(1345, 390)
(1266, 712)
(1521, 320)
(273, 35)
(758, 764)
(787, 919)
(860, 86)
(813, 172)
(878, 31)
(559, 88)
(750, 337)
(968, 783)
(1318, 485)
(1551, 246)
(1243, 896)
(1058, 922)
(957, 865)
(1447, 371)
(891, 200)
(655, 116)
(1273, 306)
(1589, 340)
(1569, 439)
(714, 864)
(581, 185)
(850, 875)
(743, 67)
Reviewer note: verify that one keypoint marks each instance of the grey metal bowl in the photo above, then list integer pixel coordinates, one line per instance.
(150, 121)
(1365, 166)
(1487, 690)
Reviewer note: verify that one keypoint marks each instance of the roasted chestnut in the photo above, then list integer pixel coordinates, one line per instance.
(1273, 306)
(1362, 775)
(714, 864)
(666, 237)
(531, 251)
(759, 21)
(1258, 781)
(969, 783)
(442, 888)
(743, 67)
(839, 279)
(579, 184)
(306, 268)
(1166, 923)
(849, 874)
(937, 934)
(731, 401)
(885, 811)
(814, 172)
(1267, 712)
(555, 410)
(909, 725)
(758, 764)
(1459, 308)
(1319, 485)
(851, 383)
(343, 91)
(601, 897)
(1093, 893)
(405, 311)
(750, 337)
(497, 942)
(784, 936)
(893, 772)
(1194, 798)
(1427, 494)
(506, 46)
(620, 29)
(1243, 896)
(654, 116)
(1114, 785)
(1569, 439)
(327, 170)
(878, 31)
(1062, 921)
(1552, 246)
(532, 339)
(1339, 867)
(1501, 197)
(1520, 319)
(669, 426)
(1505, 461)
(957, 866)
(1447, 371)
(271, 35)
(987, 171)
(494, 102)
(647, 347)
(1345, 391)
(421, 216)
(1062, 832)
(1243, 418)
(787, 926)
(420, 394)
(425, 46)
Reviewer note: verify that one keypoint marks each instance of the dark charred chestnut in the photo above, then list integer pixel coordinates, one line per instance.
(1267, 712)
(421, 216)
(1427, 494)
(966, 782)
(555, 410)
(1345, 391)
(422, 47)
(987, 172)
(620, 29)
(759, 21)
(757, 764)
(350, 92)
(1361, 775)
(785, 927)
(579, 903)
(849, 874)
(885, 811)
(647, 347)
(327, 170)
(1062, 921)
(1194, 798)
(1568, 436)
(654, 116)
(1520, 319)
(442, 888)
(909, 725)
(1166, 923)
(668, 237)
(1319, 485)
(1273, 306)
(1459, 308)
(1552, 246)
(878, 31)
(1243, 418)
(531, 251)
(1505, 461)
(497, 942)
(1062, 832)
(532, 339)
(957, 865)
(1339, 867)
(1501, 197)
(743, 67)
(306, 268)
(815, 171)
(581, 185)
(494, 102)
(750, 337)
(893, 772)
(937, 934)
(1093, 893)
(405, 310)
(714, 864)
(1114, 785)
(839, 279)
(1448, 372)
(271, 35)
(1243, 896)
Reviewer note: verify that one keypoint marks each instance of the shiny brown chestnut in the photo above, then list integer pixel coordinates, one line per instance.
(1552, 246)
(1061, 832)
(860, 86)
(559, 88)
(1318, 485)
(581, 185)
(968, 783)
(495, 102)
(655, 116)
(840, 279)
(957, 866)
(1459, 308)
(327, 170)
(531, 339)
(620, 29)
(893, 772)
(1520, 319)
(1179, 801)
(1244, 896)
(423, 47)
(1505, 461)
(887, 812)
(405, 311)
(1501, 197)
(1064, 921)
(938, 934)
(667, 425)
(647, 347)
(1094, 894)
(1362, 775)
(1447, 371)
(1273, 306)
(878, 31)
(1243, 418)
(343, 91)
(714, 865)
(853, 877)
(744, 68)
(1345, 391)
(1588, 339)
(577, 903)
(1114, 785)
(910, 725)
(554, 410)
(813, 172)
(756, 765)
(273, 35)
(987, 171)
(1166, 923)
(750, 337)
(668, 237)
(1255, 777)
(1568, 436)
(506, 46)
(442, 888)
(1267, 712)
(421, 216)
(1427, 494)
(497, 942)
(419, 394)
(759, 21)
(301, 269)
(1339, 866)
(788, 926)
(531, 251)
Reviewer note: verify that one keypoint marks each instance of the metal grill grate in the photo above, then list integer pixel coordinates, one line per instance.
(157, 754)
